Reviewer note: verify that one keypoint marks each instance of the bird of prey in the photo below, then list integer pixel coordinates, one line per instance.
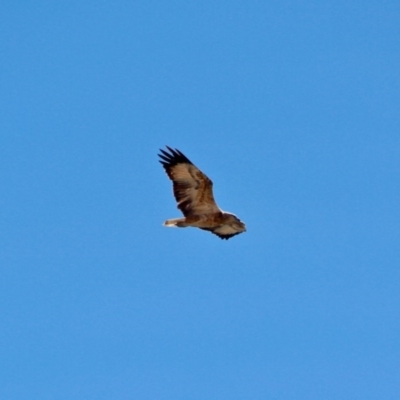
(193, 193)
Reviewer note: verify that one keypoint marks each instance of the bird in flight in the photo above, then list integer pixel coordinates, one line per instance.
(193, 193)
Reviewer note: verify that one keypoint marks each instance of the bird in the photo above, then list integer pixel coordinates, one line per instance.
(193, 192)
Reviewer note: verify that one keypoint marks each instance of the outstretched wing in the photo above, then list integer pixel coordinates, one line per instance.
(224, 231)
(192, 188)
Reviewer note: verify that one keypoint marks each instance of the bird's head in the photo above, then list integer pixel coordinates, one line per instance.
(234, 221)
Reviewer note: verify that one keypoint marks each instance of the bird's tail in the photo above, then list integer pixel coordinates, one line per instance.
(173, 223)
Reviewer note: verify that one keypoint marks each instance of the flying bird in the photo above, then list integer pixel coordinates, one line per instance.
(193, 193)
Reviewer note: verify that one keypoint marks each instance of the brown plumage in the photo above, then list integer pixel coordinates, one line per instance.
(193, 193)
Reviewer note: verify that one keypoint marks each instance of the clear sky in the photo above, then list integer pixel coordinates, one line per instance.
(292, 108)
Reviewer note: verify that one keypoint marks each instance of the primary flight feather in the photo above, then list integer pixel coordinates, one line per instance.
(193, 193)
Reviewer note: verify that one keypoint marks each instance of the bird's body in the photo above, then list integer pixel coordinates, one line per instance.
(193, 193)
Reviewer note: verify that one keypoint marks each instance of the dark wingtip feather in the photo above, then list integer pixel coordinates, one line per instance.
(222, 237)
(226, 237)
(173, 157)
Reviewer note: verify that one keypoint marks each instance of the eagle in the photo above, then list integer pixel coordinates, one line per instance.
(194, 195)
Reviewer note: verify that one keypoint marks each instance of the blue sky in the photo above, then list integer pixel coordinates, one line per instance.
(291, 108)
